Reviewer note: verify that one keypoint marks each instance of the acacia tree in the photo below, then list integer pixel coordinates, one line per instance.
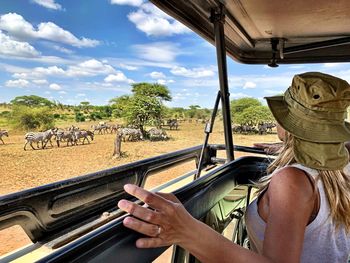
(144, 106)
(254, 115)
(239, 105)
(32, 101)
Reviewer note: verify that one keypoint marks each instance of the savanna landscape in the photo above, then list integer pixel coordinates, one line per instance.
(22, 169)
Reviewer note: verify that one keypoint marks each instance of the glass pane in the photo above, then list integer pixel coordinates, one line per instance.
(178, 175)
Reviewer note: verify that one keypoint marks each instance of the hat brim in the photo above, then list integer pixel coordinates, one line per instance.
(309, 130)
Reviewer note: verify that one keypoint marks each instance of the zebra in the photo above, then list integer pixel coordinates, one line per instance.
(114, 128)
(43, 137)
(101, 128)
(157, 134)
(83, 134)
(3, 133)
(130, 134)
(262, 127)
(172, 124)
(69, 136)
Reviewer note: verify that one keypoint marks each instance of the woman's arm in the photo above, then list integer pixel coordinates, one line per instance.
(287, 218)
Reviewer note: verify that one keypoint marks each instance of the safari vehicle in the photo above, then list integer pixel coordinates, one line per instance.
(77, 220)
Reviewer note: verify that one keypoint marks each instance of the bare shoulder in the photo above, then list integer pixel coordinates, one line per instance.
(291, 183)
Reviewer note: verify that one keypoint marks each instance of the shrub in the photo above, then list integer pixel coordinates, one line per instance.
(27, 118)
(5, 114)
(96, 116)
(79, 117)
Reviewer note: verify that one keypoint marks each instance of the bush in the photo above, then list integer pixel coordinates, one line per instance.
(27, 118)
(96, 116)
(79, 117)
(5, 114)
(56, 115)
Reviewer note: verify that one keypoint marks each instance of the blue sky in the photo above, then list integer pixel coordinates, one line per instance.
(92, 50)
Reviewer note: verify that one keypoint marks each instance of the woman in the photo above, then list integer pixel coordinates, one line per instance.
(302, 213)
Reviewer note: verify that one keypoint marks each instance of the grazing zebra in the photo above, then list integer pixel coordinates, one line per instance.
(114, 128)
(157, 134)
(73, 128)
(83, 134)
(100, 128)
(173, 124)
(43, 137)
(3, 133)
(130, 134)
(68, 136)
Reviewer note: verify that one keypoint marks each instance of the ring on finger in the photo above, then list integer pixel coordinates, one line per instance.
(159, 230)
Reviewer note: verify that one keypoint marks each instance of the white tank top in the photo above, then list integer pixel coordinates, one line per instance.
(322, 243)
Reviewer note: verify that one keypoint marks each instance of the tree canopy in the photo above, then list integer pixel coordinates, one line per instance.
(161, 92)
(239, 105)
(250, 111)
(32, 101)
(144, 106)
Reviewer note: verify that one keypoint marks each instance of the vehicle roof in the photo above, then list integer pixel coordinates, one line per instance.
(307, 31)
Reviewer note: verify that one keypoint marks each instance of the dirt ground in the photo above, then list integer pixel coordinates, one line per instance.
(26, 169)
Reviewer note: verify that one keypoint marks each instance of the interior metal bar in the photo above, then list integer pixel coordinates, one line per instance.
(240, 30)
(218, 18)
(317, 45)
(208, 130)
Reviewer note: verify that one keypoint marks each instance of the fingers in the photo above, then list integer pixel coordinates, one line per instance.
(258, 145)
(169, 196)
(150, 242)
(153, 200)
(141, 212)
(151, 230)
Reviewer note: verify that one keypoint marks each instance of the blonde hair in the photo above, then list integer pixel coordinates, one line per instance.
(336, 184)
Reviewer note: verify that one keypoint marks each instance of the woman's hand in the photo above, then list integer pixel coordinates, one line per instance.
(169, 222)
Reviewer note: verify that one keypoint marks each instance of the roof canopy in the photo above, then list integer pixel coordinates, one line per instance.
(265, 31)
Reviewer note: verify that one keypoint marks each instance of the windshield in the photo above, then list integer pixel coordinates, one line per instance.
(112, 67)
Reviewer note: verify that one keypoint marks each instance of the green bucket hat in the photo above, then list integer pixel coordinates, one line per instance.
(314, 109)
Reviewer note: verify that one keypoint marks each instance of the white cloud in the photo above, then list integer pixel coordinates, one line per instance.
(86, 68)
(249, 85)
(40, 81)
(62, 49)
(90, 67)
(164, 81)
(128, 67)
(117, 77)
(161, 81)
(62, 92)
(192, 73)
(10, 47)
(149, 19)
(81, 95)
(158, 51)
(50, 4)
(55, 86)
(21, 83)
(16, 26)
(156, 74)
(127, 2)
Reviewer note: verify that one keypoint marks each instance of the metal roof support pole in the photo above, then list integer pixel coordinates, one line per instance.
(218, 18)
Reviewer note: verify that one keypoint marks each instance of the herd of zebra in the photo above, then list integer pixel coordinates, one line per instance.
(72, 135)
(261, 128)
